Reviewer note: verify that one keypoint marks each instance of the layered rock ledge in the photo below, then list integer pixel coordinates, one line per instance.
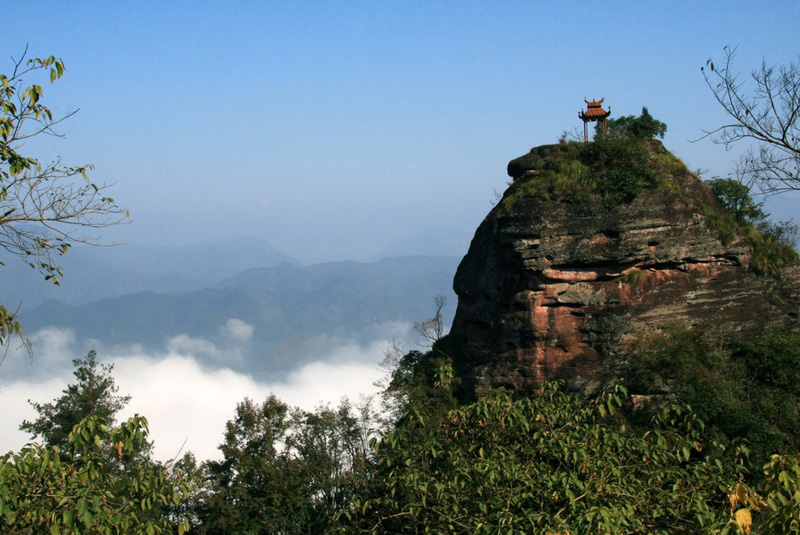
(554, 289)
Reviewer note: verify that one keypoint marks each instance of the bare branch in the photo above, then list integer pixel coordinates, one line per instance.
(768, 115)
(46, 208)
(432, 329)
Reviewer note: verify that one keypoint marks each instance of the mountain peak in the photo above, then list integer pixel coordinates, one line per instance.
(585, 250)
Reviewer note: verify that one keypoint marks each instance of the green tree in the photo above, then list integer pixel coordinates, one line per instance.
(773, 244)
(629, 126)
(44, 207)
(417, 382)
(764, 110)
(283, 470)
(94, 394)
(743, 389)
(331, 448)
(735, 197)
(255, 488)
(75, 492)
(556, 463)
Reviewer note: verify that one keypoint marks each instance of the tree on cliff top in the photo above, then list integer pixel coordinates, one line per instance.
(767, 113)
(629, 126)
(43, 206)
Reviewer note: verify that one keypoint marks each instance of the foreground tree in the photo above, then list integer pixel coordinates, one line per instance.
(86, 456)
(78, 490)
(94, 394)
(284, 471)
(44, 206)
(330, 447)
(556, 463)
(767, 113)
(253, 489)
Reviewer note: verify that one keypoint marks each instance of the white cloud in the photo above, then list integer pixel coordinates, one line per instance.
(234, 337)
(51, 344)
(237, 331)
(14, 407)
(184, 401)
(186, 345)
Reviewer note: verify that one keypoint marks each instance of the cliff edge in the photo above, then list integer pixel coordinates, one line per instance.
(591, 246)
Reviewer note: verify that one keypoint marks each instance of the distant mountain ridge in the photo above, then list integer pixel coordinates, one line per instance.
(284, 304)
(95, 273)
(429, 242)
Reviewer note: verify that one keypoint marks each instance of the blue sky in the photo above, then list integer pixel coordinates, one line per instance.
(334, 128)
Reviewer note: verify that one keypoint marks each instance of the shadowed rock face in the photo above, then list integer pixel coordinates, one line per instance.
(555, 290)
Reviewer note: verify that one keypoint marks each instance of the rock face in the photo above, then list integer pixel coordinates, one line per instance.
(555, 289)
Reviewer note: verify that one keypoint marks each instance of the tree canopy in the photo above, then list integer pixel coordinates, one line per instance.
(80, 490)
(94, 394)
(629, 126)
(89, 475)
(556, 463)
(735, 197)
(283, 470)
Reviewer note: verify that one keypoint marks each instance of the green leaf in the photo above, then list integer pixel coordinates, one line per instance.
(83, 506)
(88, 518)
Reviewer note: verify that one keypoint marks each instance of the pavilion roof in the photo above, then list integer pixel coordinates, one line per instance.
(594, 110)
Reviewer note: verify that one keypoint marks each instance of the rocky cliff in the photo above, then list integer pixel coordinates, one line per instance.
(558, 281)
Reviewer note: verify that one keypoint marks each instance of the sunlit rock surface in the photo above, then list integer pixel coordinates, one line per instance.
(556, 290)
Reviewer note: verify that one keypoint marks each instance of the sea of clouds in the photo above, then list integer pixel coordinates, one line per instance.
(186, 401)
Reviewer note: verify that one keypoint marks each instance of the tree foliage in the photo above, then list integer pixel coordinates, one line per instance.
(250, 488)
(776, 510)
(331, 447)
(745, 389)
(773, 244)
(74, 491)
(735, 197)
(418, 382)
(44, 206)
(766, 112)
(556, 463)
(283, 471)
(629, 126)
(94, 394)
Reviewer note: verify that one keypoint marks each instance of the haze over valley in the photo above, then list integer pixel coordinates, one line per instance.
(185, 320)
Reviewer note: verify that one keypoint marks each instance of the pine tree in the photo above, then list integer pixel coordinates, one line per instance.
(94, 394)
